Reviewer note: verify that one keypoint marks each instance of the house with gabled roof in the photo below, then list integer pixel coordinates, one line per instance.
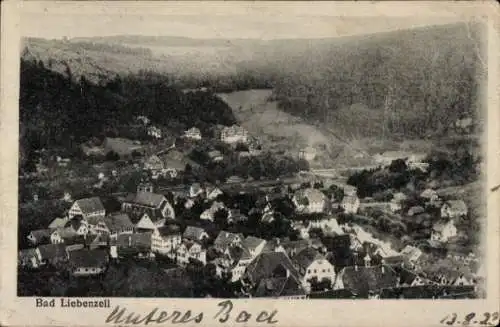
(193, 133)
(87, 207)
(310, 200)
(156, 206)
(270, 265)
(190, 250)
(132, 245)
(364, 281)
(61, 235)
(454, 209)
(226, 240)
(240, 258)
(283, 288)
(39, 236)
(52, 253)
(254, 245)
(118, 223)
(313, 266)
(350, 204)
(196, 234)
(166, 239)
(155, 165)
(79, 224)
(195, 190)
(210, 212)
(212, 192)
(88, 262)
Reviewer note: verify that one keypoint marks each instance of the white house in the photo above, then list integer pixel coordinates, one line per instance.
(189, 250)
(350, 204)
(234, 134)
(328, 224)
(227, 240)
(154, 132)
(148, 223)
(165, 240)
(313, 266)
(195, 189)
(310, 200)
(254, 245)
(453, 209)
(59, 235)
(210, 212)
(193, 133)
(442, 232)
(196, 234)
(213, 192)
(88, 207)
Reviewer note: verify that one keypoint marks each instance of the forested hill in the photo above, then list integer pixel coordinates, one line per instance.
(57, 111)
(423, 79)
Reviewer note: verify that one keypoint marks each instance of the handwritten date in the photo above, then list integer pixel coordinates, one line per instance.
(484, 319)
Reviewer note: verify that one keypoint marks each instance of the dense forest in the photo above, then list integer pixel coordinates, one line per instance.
(57, 111)
(407, 82)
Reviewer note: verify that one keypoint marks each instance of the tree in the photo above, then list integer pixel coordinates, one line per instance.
(112, 156)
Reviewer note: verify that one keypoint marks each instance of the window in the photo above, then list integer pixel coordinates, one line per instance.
(315, 271)
(324, 270)
(308, 271)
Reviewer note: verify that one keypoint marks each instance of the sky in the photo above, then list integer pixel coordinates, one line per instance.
(221, 20)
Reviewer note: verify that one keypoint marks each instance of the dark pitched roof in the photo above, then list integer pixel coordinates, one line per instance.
(225, 238)
(294, 247)
(252, 242)
(362, 280)
(304, 258)
(147, 199)
(90, 205)
(193, 233)
(275, 287)
(88, 258)
(53, 251)
(134, 243)
(168, 230)
(266, 264)
(237, 253)
(117, 222)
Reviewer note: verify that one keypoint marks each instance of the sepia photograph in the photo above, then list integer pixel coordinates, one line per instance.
(250, 154)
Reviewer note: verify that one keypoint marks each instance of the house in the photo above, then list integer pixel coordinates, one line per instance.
(196, 234)
(87, 207)
(364, 281)
(235, 216)
(254, 245)
(411, 253)
(88, 262)
(148, 223)
(309, 200)
(165, 240)
(210, 212)
(189, 250)
(283, 288)
(118, 223)
(350, 204)
(61, 234)
(215, 156)
(235, 180)
(349, 189)
(132, 245)
(415, 210)
(442, 232)
(311, 266)
(79, 224)
(454, 209)
(309, 153)
(193, 133)
(226, 240)
(39, 236)
(240, 258)
(123, 147)
(29, 258)
(270, 265)
(155, 165)
(212, 192)
(327, 224)
(67, 197)
(154, 132)
(234, 134)
(144, 186)
(52, 254)
(58, 223)
(156, 206)
(195, 190)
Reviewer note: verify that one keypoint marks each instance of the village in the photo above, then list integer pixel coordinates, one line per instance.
(299, 235)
